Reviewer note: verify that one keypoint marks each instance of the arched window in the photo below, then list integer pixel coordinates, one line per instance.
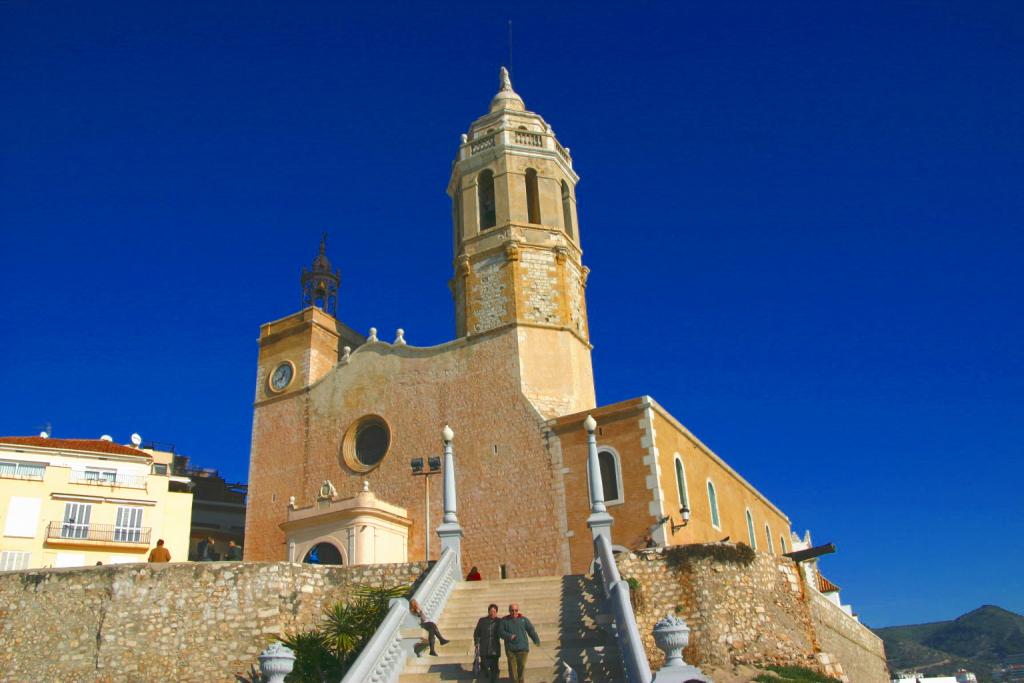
(750, 530)
(684, 499)
(768, 537)
(782, 544)
(713, 504)
(611, 476)
(532, 197)
(485, 198)
(567, 211)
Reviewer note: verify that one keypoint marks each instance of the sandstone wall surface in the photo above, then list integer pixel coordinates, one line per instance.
(860, 651)
(758, 614)
(175, 622)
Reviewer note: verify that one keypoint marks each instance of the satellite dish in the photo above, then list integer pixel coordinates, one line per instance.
(106, 437)
(44, 435)
(136, 440)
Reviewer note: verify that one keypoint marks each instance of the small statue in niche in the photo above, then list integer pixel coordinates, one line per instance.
(327, 490)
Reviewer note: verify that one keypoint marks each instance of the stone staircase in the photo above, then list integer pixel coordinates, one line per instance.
(564, 610)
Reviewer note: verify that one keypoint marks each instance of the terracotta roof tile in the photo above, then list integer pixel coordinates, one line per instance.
(91, 445)
(826, 586)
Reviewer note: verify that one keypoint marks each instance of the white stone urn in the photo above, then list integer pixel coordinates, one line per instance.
(276, 662)
(671, 635)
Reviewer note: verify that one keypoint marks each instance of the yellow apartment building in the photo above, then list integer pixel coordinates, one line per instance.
(78, 502)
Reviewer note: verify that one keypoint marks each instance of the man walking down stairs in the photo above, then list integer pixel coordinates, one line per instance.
(563, 610)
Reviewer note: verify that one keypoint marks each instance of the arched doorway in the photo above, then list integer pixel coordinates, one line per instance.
(323, 553)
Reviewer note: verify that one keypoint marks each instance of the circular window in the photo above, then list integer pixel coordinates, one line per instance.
(366, 443)
(371, 442)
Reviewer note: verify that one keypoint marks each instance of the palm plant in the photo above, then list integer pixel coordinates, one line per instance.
(325, 652)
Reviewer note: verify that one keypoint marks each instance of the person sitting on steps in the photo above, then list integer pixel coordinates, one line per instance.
(428, 625)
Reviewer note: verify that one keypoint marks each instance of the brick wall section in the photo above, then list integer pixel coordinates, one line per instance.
(503, 473)
(757, 614)
(175, 622)
(855, 647)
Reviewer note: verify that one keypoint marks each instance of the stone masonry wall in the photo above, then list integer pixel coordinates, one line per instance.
(174, 622)
(860, 651)
(757, 614)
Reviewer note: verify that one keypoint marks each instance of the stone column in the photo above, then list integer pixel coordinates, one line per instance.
(599, 521)
(450, 532)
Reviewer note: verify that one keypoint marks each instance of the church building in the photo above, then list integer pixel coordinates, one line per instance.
(338, 415)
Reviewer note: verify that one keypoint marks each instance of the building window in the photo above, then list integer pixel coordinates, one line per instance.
(713, 504)
(532, 197)
(750, 530)
(10, 469)
(129, 525)
(684, 499)
(22, 517)
(485, 198)
(372, 441)
(160, 468)
(567, 211)
(76, 520)
(611, 475)
(14, 559)
(768, 537)
(782, 544)
(366, 443)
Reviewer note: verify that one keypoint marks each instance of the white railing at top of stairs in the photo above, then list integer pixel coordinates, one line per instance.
(631, 646)
(385, 654)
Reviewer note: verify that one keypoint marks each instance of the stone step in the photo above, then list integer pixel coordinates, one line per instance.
(552, 643)
(538, 655)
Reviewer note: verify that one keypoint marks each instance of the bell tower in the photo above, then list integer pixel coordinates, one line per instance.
(518, 262)
(298, 350)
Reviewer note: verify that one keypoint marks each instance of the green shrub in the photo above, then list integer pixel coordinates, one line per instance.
(793, 674)
(324, 653)
(682, 556)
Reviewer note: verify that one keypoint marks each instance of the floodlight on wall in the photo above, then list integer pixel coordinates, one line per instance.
(426, 467)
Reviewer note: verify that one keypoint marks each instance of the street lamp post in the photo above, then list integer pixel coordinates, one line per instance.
(426, 467)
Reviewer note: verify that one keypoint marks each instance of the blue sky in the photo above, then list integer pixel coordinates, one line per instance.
(803, 222)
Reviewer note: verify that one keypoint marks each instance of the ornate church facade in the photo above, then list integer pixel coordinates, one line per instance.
(338, 415)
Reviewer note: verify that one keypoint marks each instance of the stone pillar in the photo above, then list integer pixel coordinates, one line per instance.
(450, 532)
(599, 521)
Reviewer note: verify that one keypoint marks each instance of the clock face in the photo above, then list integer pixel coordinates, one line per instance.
(281, 377)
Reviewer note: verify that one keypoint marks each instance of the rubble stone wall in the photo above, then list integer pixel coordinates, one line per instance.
(758, 614)
(138, 623)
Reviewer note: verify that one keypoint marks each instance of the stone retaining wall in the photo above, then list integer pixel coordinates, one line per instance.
(757, 614)
(174, 622)
(860, 651)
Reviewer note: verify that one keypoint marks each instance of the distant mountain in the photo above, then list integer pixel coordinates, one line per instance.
(976, 641)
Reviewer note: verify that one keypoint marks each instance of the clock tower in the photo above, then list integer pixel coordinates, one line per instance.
(301, 348)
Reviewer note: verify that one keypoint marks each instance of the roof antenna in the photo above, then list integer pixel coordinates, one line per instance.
(510, 46)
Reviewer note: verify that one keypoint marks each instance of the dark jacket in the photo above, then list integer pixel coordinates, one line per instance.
(519, 627)
(486, 637)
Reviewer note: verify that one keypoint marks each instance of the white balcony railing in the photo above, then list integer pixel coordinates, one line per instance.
(118, 480)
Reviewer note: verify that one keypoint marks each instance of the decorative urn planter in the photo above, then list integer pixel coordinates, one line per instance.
(276, 662)
(671, 635)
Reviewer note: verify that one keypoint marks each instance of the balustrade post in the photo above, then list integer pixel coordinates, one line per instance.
(450, 531)
(599, 521)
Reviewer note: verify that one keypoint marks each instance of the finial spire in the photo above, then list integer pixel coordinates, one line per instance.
(320, 282)
(507, 98)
